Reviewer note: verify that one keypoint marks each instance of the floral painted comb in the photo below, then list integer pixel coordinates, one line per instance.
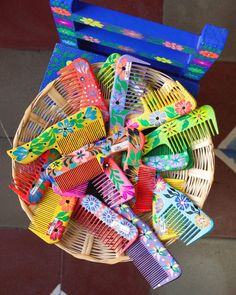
(67, 175)
(128, 88)
(148, 254)
(51, 216)
(171, 101)
(113, 230)
(29, 182)
(65, 136)
(106, 76)
(113, 185)
(79, 81)
(179, 133)
(175, 211)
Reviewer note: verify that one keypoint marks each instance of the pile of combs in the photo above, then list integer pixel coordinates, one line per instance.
(95, 151)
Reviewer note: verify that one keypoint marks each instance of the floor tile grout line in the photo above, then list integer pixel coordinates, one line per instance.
(5, 132)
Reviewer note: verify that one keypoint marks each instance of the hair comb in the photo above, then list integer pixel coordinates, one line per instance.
(179, 133)
(113, 185)
(171, 101)
(65, 136)
(113, 230)
(174, 210)
(149, 255)
(106, 76)
(128, 88)
(51, 216)
(68, 174)
(78, 80)
(30, 183)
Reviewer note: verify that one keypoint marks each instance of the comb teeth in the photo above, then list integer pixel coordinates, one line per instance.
(107, 189)
(147, 265)
(144, 189)
(82, 173)
(79, 138)
(114, 231)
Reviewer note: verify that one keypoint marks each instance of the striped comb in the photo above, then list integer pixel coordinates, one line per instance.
(30, 183)
(66, 136)
(175, 211)
(181, 132)
(66, 174)
(163, 105)
(128, 88)
(113, 185)
(106, 76)
(113, 230)
(148, 254)
(51, 216)
(79, 84)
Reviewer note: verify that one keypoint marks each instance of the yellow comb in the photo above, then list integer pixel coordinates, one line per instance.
(52, 216)
(66, 136)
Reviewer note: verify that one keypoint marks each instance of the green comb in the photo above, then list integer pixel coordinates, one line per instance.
(178, 134)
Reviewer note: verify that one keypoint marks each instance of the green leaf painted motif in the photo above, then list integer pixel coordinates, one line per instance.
(144, 123)
(63, 216)
(116, 178)
(185, 124)
(170, 112)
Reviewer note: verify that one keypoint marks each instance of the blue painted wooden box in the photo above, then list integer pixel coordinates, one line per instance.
(94, 32)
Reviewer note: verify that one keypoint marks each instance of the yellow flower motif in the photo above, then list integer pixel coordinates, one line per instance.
(57, 165)
(91, 22)
(162, 59)
(202, 220)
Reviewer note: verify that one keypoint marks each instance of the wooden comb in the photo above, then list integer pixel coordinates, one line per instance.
(51, 216)
(113, 230)
(68, 135)
(177, 212)
(179, 133)
(171, 101)
(79, 82)
(30, 183)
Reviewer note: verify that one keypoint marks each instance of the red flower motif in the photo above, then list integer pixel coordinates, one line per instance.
(61, 11)
(183, 107)
(209, 54)
(121, 68)
(132, 34)
(173, 45)
(57, 231)
(125, 48)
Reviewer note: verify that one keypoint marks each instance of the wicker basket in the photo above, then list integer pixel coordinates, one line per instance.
(77, 241)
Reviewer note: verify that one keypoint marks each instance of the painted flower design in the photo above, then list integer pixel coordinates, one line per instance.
(183, 107)
(64, 127)
(209, 54)
(81, 155)
(173, 45)
(199, 115)
(91, 203)
(127, 229)
(177, 161)
(108, 216)
(91, 22)
(132, 174)
(129, 123)
(68, 42)
(158, 204)
(56, 165)
(160, 185)
(196, 70)
(58, 230)
(204, 63)
(117, 101)
(121, 68)
(163, 60)
(156, 251)
(126, 48)
(20, 153)
(182, 202)
(67, 204)
(66, 32)
(106, 148)
(132, 34)
(90, 114)
(61, 11)
(92, 92)
(128, 192)
(155, 162)
(157, 118)
(134, 138)
(169, 128)
(202, 220)
(64, 22)
(91, 39)
(171, 266)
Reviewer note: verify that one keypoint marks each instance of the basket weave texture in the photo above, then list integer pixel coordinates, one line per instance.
(77, 241)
